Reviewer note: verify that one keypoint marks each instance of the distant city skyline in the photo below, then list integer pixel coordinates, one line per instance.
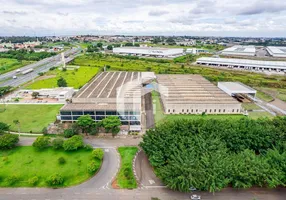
(237, 18)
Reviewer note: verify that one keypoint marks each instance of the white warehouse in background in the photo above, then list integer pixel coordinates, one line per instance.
(149, 51)
(239, 51)
(277, 51)
(243, 64)
(233, 88)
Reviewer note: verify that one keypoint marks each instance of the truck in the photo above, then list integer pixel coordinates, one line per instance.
(27, 71)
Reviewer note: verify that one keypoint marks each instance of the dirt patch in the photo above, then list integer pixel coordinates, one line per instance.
(45, 77)
(280, 104)
(115, 185)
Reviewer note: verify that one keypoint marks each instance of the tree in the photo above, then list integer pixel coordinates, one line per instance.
(110, 47)
(170, 41)
(85, 122)
(69, 133)
(41, 142)
(112, 124)
(73, 143)
(57, 143)
(4, 127)
(17, 123)
(55, 180)
(99, 45)
(8, 141)
(62, 82)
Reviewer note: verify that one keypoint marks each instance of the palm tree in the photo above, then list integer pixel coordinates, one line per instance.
(17, 122)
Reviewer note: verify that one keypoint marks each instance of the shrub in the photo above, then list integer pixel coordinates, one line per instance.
(73, 143)
(92, 167)
(45, 130)
(69, 133)
(61, 160)
(97, 153)
(42, 142)
(5, 159)
(3, 127)
(88, 147)
(55, 180)
(57, 143)
(33, 181)
(11, 180)
(8, 141)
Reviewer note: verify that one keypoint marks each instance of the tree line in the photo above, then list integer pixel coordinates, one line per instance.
(213, 154)
(24, 54)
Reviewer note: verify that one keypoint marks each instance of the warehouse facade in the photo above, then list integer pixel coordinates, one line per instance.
(279, 52)
(149, 51)
(193, 94)
(244, 64)
(109, 94)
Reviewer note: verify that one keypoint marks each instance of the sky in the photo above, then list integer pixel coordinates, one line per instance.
(243, 18)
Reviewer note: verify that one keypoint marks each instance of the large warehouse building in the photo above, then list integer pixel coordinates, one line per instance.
(149, 51)
(110, 94)
(277, 51)
(193, 94)
(239, 51)
(244, 64)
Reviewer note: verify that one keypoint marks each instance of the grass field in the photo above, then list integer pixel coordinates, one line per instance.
(74, 79)
(27, 162)
(32, 117)
(9, 64)
(279, 93)
(125, 178)
(251, 106)
(263, 96)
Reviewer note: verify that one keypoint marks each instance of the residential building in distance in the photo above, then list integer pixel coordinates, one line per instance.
(277, 51)
(238, 50)
(244, 64)
(149, 51)
(193, 94)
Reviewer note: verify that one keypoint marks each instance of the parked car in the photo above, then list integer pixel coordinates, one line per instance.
(14, 77)
(195, 197)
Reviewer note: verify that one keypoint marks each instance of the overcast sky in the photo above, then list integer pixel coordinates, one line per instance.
(144, 17)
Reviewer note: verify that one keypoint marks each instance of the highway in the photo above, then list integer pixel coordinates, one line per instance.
(41, 66)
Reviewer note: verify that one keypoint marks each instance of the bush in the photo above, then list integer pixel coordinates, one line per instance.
(57, 143)
(11, 180)
(8, 141)
(3, 127)
(45, 130)
(42, 142)
(55, 180)
(92, 167)
(5, 159)
(88, 147)
(73, 143)
(33, 181)
(61, 160)
(69, 133)
(97, 153)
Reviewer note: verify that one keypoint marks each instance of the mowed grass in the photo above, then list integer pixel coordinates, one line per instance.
(263, 96)
(27, 162)
(125, 178)
(32, 117)
(73, 78)
(9, 64)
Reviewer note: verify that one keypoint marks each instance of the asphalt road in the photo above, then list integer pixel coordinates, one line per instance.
(98, 187)
(41, 66)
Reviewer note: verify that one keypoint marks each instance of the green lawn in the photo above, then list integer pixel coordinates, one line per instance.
(32, 117)
(125, 178)
(263, 96)
(74, 79)
(27, 162)
(9, 64)
(279, 93)
(256, 115)
(251, 106)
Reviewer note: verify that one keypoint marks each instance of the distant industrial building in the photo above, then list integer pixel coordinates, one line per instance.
(149, 51)
(196, 51)
(110, 94)
(243, 64)
(193, 94)
(277, 51)
(239, 51)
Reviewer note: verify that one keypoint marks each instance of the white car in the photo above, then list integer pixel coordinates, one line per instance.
(14, 77)
(195, 197)
(18, 70)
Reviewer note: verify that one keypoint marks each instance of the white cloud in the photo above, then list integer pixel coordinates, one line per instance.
(139, 17)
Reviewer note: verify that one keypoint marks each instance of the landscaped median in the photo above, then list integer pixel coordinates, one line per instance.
(60, 163)
(125, 178)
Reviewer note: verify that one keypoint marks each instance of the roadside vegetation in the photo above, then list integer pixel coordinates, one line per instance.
(47, 163)
(74, 78)
(213, 154)
(9, 64)
(179, 66)
(125, 178)
(24, 54)
(32, 118)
